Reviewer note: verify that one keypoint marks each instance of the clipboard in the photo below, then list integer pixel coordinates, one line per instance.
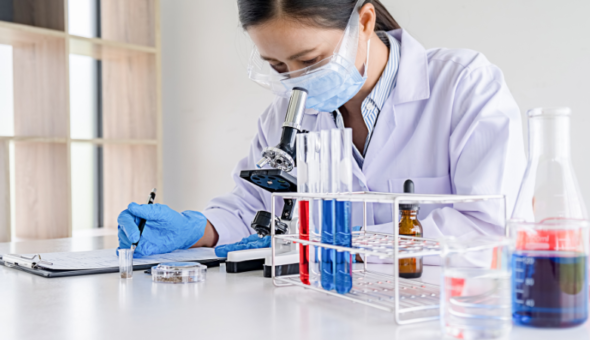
(33, 265)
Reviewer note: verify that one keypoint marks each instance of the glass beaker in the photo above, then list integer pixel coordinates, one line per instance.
(475, 299)
(550, 229)
(126, 263)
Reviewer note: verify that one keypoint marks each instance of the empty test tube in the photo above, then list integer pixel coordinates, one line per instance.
(313, 173)
(126, 263)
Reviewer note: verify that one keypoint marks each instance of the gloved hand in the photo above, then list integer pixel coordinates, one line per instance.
(251, 242)
(165, 229)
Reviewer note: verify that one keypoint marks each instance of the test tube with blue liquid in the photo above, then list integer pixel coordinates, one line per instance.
(342, 171)
(328, 225)
(335, 177)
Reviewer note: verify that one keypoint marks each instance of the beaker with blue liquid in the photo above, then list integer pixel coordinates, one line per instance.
(549, 228)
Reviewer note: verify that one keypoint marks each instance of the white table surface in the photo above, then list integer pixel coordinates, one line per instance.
(226, 306)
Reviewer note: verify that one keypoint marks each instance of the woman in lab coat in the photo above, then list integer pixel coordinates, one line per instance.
(441, 117)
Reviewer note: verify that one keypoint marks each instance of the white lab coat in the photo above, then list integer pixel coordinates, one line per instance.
(450, 124)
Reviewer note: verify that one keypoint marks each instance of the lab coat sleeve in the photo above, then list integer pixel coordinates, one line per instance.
(232, 214)
(486, 156)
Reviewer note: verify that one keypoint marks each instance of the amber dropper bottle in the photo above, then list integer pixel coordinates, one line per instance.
(410, 268)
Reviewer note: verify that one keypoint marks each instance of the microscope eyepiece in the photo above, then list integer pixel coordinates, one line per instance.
(296, 108)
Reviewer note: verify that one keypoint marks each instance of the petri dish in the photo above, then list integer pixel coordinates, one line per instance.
(179, 272)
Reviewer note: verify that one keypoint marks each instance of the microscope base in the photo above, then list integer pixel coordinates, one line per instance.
(286, 264)
(260, 259)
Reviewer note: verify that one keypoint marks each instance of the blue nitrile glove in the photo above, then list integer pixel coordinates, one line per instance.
(250, 242)
(165, 230)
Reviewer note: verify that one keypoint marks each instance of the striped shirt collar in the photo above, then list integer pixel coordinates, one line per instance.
(373, 104)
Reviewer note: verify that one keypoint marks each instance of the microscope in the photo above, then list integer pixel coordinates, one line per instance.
(282, 160)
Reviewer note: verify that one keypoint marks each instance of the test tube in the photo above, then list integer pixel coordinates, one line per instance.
(342, 172)
(126, 263)
(313, 172)
(327, 257)
(308, 182)
(303, 187)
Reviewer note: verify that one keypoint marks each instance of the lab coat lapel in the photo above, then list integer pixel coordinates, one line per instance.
(412, 85)
(379, 149)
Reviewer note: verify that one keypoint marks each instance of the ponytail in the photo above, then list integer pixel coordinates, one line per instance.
(385, 21)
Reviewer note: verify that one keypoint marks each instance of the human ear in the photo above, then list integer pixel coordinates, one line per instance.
(368, 18)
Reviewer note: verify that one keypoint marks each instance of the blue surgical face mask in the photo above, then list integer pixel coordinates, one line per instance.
(333, 85)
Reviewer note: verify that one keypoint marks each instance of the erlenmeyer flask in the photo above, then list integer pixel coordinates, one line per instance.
(549, 189)
(549, 229)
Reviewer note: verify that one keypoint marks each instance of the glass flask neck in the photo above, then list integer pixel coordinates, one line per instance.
(549, 189)
(549, 137)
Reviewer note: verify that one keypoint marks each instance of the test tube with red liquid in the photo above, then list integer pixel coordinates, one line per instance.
(307, 182)
(304, 235)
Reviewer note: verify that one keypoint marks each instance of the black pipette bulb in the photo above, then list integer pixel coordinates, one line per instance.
(409, 189)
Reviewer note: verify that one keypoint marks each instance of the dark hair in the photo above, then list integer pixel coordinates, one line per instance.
(324, 13)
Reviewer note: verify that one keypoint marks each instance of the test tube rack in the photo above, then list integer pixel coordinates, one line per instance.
(411, 301)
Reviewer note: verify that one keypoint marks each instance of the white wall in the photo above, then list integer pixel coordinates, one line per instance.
(210, 107)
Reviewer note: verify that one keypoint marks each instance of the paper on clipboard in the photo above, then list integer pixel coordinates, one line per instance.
(107, 258)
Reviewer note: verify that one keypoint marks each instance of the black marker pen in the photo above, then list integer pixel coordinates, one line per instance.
(142, 221)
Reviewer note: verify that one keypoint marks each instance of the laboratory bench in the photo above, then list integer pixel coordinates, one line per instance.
(225, 306)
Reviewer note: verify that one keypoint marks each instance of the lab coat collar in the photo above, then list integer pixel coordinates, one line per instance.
(412, 76)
